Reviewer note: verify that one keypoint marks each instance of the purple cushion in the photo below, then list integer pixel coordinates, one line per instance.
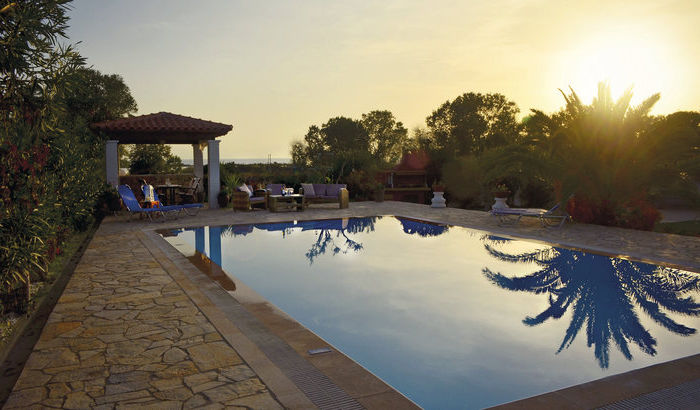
(334, 189)
(319, 189)
(308, 190)
(275, 189)
(257, 199)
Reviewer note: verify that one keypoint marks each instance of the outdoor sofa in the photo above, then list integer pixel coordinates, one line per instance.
(326, 193)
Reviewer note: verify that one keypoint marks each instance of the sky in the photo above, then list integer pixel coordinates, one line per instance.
(274, 68)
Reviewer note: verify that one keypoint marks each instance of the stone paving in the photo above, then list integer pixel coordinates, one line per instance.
(125, 334)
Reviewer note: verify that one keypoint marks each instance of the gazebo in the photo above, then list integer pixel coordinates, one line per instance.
(166, 128)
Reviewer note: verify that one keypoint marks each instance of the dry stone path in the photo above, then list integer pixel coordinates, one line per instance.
(125, 335)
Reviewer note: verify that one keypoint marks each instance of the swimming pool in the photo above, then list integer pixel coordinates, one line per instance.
(459, 318)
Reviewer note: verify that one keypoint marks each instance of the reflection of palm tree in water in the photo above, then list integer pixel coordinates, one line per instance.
(602, 292)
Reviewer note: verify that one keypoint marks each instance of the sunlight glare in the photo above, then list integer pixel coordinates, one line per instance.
(622, 58)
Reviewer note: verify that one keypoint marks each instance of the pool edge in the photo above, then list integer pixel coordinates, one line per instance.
(381, 394)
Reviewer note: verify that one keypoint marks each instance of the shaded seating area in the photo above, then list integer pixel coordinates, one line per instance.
(167, 128)
(179, 182)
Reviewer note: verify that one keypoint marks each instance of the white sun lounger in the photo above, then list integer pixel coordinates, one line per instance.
(511, 216)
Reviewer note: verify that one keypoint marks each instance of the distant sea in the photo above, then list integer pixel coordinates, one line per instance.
(245, 160)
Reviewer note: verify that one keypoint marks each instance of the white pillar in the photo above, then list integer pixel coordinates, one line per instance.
(214, 179)
(112, 162)
(198, 165)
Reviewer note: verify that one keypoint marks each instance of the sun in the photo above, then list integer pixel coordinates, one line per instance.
(622, 57)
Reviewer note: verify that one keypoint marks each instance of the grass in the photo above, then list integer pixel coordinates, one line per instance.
(688, 228)
(10, 321)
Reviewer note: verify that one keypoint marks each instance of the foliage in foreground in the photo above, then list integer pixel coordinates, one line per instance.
(50, 162)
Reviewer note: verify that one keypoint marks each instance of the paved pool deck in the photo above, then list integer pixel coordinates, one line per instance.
(140, 325)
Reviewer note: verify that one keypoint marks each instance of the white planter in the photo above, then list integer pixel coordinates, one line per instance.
(500, 203)
(438, 200)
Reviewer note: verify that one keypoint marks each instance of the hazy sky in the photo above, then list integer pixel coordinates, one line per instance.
(273, 68)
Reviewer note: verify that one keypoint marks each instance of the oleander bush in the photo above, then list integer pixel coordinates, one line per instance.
(51, 164)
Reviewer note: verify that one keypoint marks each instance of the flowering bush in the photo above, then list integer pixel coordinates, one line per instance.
(50, 161)
(635, 214)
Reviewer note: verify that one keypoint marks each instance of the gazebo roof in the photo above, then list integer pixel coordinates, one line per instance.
(161, 128)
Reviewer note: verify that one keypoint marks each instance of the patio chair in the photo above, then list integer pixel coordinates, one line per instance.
(190, 193)
(133, 206)
(246, 200)
(547, 217)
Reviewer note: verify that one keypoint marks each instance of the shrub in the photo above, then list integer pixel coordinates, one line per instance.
(635, 214)
(537, 194)
(464, 181)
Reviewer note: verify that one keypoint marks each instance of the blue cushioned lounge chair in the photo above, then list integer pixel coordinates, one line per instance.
(548, 217)
(186, 208)
(133, 206)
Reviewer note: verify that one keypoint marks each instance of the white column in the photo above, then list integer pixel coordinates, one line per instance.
(112, 162)
(198, 165)
(214, 179)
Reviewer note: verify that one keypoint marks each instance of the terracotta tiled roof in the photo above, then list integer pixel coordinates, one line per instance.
(163, 122)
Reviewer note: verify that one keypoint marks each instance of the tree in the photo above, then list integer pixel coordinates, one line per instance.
(333, 149)
(472, 123)
(343, 144)
(674, 142)
(610, 156)
(98, 97)
(154, 159)
(387, 137)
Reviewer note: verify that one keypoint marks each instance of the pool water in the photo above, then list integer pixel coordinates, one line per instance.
(458, 318)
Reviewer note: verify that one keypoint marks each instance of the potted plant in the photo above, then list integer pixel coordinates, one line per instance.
(500, 193)
(438, 200)
(379, 192)
(230, 183)
(438, 186)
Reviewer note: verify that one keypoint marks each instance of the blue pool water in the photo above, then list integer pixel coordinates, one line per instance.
(458, 318)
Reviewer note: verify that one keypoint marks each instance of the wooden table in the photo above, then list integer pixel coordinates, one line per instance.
(169, 191)
(294, 202)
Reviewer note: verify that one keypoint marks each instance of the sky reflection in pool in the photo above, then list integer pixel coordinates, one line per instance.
(458, 318)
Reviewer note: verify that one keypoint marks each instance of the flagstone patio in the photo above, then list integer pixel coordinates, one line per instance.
(140, 326)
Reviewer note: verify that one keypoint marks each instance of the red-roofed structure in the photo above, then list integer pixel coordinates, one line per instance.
(166, 128)
(407, 181)
(162, 128)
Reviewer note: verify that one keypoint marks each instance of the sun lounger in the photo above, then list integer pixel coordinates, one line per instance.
(133, 206)
(548, 217)
(186, 208)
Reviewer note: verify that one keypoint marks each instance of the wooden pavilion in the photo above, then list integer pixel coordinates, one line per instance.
(167, 128)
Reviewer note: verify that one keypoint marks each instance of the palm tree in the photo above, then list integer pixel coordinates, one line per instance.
(604, 293)
(608, 152)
